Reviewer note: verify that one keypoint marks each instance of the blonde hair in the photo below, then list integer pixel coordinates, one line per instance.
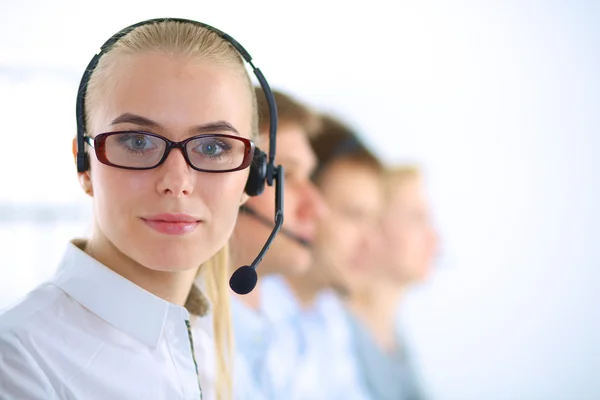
(190, 41)
(215, 272)
(398, 175)
(184, 39)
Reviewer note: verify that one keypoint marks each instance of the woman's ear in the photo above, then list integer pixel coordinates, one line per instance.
(244, 199)
(85, 179)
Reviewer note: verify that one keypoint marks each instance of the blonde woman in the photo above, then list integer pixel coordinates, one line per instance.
(409, 248)
(166, 118)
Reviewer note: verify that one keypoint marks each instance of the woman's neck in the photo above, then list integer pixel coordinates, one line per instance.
(377, 308)
(172, 286)
(305, 290)
(252, 299)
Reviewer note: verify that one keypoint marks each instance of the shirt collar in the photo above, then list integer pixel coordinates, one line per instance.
(278, 305)
(116, 300)
(251, 331)
(278, 302)
(248, 319)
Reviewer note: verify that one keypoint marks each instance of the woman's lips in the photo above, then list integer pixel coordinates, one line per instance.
(172, 224)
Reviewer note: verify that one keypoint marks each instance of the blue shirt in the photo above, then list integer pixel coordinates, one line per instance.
(266, 343)
(388, 375)
(286, 352)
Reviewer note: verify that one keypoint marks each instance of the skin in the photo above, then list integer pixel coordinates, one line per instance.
(182, 98)
(409, 248)
(348, 238)
(410, 238)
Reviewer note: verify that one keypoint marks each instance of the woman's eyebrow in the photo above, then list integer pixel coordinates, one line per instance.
(217, 126)
(211, 127)
(129, 118)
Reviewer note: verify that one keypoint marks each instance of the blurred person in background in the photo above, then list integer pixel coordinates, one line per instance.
(266, 351)
(348, 176)
(409, 247)
(111, 324)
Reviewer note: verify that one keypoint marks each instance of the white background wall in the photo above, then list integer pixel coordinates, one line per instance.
(498, 100)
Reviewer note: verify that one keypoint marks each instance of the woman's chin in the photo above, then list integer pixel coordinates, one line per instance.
(167, 261)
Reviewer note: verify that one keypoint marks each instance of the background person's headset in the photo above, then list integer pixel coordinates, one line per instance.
(262, 171)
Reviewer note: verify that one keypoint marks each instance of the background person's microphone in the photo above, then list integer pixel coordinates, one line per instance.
(244, 279)
(268, 223)
(338, 283)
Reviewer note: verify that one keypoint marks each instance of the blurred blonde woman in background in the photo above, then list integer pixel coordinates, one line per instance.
(168, 120)
(409, 247)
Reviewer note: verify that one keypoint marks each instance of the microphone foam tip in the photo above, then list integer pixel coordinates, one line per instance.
(243, 280)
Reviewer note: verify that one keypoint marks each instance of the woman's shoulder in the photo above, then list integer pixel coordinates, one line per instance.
(46, 322)
(29, 309)
(43, 336)
(46, 316)
(43, 309)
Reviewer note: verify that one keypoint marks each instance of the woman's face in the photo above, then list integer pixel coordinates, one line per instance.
(348, 238)
(175, 98)
(410, 239)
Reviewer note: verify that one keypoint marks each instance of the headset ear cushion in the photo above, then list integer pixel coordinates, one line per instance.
(258, 174)
(83, 162)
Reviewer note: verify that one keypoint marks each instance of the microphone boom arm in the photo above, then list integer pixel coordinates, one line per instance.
(278, 215)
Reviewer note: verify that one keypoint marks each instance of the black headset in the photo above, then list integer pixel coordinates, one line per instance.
(262, 169)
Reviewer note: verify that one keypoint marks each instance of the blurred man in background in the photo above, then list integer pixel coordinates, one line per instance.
(266, 352)
(349, 178)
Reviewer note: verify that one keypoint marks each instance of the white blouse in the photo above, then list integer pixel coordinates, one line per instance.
(89, 333)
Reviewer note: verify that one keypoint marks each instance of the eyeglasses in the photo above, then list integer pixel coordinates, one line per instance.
(143, 150)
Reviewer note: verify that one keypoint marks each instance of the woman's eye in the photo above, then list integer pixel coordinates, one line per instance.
(136, 142)
(210, 149)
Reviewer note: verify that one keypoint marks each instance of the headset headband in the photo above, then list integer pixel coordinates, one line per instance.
(82, 159)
